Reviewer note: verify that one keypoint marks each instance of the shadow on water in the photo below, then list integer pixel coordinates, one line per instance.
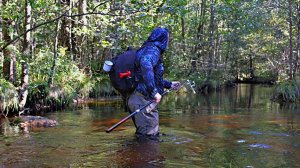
(239, 127)
(140, 152)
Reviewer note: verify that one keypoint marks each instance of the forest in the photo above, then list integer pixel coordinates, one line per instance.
(52, 52)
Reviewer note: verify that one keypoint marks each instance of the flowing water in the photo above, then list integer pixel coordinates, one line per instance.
(239, 127)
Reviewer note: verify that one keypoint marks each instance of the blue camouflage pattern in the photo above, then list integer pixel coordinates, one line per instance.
(150, 67)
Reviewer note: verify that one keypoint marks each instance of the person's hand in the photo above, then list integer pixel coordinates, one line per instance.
(157, 97)
(175, 85)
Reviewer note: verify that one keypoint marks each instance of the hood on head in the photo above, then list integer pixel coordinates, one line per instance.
(159, 37)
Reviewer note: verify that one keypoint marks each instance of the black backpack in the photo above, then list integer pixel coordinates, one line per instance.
(123, 72)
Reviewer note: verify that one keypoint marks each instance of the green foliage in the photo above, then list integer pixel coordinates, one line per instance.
(40, 89)
(102, 87)
(241, 29)
(70, 82)
(287, 92)
(267, 74)
(8, 96)
(61, 95)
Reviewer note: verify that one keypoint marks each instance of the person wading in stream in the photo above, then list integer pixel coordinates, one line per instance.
(151, 83)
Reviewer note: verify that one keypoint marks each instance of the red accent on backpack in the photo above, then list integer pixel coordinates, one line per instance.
(125, 74)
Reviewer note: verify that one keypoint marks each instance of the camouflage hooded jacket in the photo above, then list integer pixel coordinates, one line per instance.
(150, 66)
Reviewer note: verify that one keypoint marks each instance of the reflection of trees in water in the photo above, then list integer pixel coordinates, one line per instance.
(8, 129)
(291, 110)
(231, 100)
(99, 109)
(251, 92)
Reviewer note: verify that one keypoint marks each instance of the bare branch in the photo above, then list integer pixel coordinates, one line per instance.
(33, 28)
(100, 5)
(101, 13)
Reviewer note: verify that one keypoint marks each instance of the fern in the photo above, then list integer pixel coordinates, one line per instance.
(8, 96)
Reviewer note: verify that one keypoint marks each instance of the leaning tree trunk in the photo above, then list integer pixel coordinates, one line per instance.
(9, 63)
(23, 92)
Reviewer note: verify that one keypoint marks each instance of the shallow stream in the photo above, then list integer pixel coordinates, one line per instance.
(239, 127)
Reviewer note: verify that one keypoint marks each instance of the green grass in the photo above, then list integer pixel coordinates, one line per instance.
(288, 91)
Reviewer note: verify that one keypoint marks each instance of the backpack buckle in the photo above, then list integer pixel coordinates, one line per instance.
(126, 74)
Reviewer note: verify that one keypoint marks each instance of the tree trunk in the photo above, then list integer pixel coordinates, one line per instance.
(66, 36)
(217, 48)
(71, 35)
(290, 41)
(200, 31)
(9, 62)
(50, 80)
(183, 31)
(226, 62)
(251, 69)
(6, 38)
(23, 92)
(298, 41)
(198, 50)
(82, 8)
(211, 40)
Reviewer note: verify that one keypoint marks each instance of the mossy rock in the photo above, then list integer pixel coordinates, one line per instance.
(36, 122)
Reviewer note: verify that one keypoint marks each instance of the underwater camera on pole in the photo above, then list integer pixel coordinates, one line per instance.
(191, 85)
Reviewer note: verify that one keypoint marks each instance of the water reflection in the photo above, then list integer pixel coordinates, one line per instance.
(239, 127)
(140, 152)
(8, 129)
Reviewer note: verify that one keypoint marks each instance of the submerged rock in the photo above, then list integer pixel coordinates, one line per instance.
(36, 121)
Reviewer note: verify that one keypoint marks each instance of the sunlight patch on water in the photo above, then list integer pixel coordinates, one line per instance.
(263, 146)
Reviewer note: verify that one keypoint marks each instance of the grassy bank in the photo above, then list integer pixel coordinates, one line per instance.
(288, 91)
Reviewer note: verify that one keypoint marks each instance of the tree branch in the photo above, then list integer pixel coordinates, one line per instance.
(35, 27)
(101, 13)
(100, 5)
(65, 15)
